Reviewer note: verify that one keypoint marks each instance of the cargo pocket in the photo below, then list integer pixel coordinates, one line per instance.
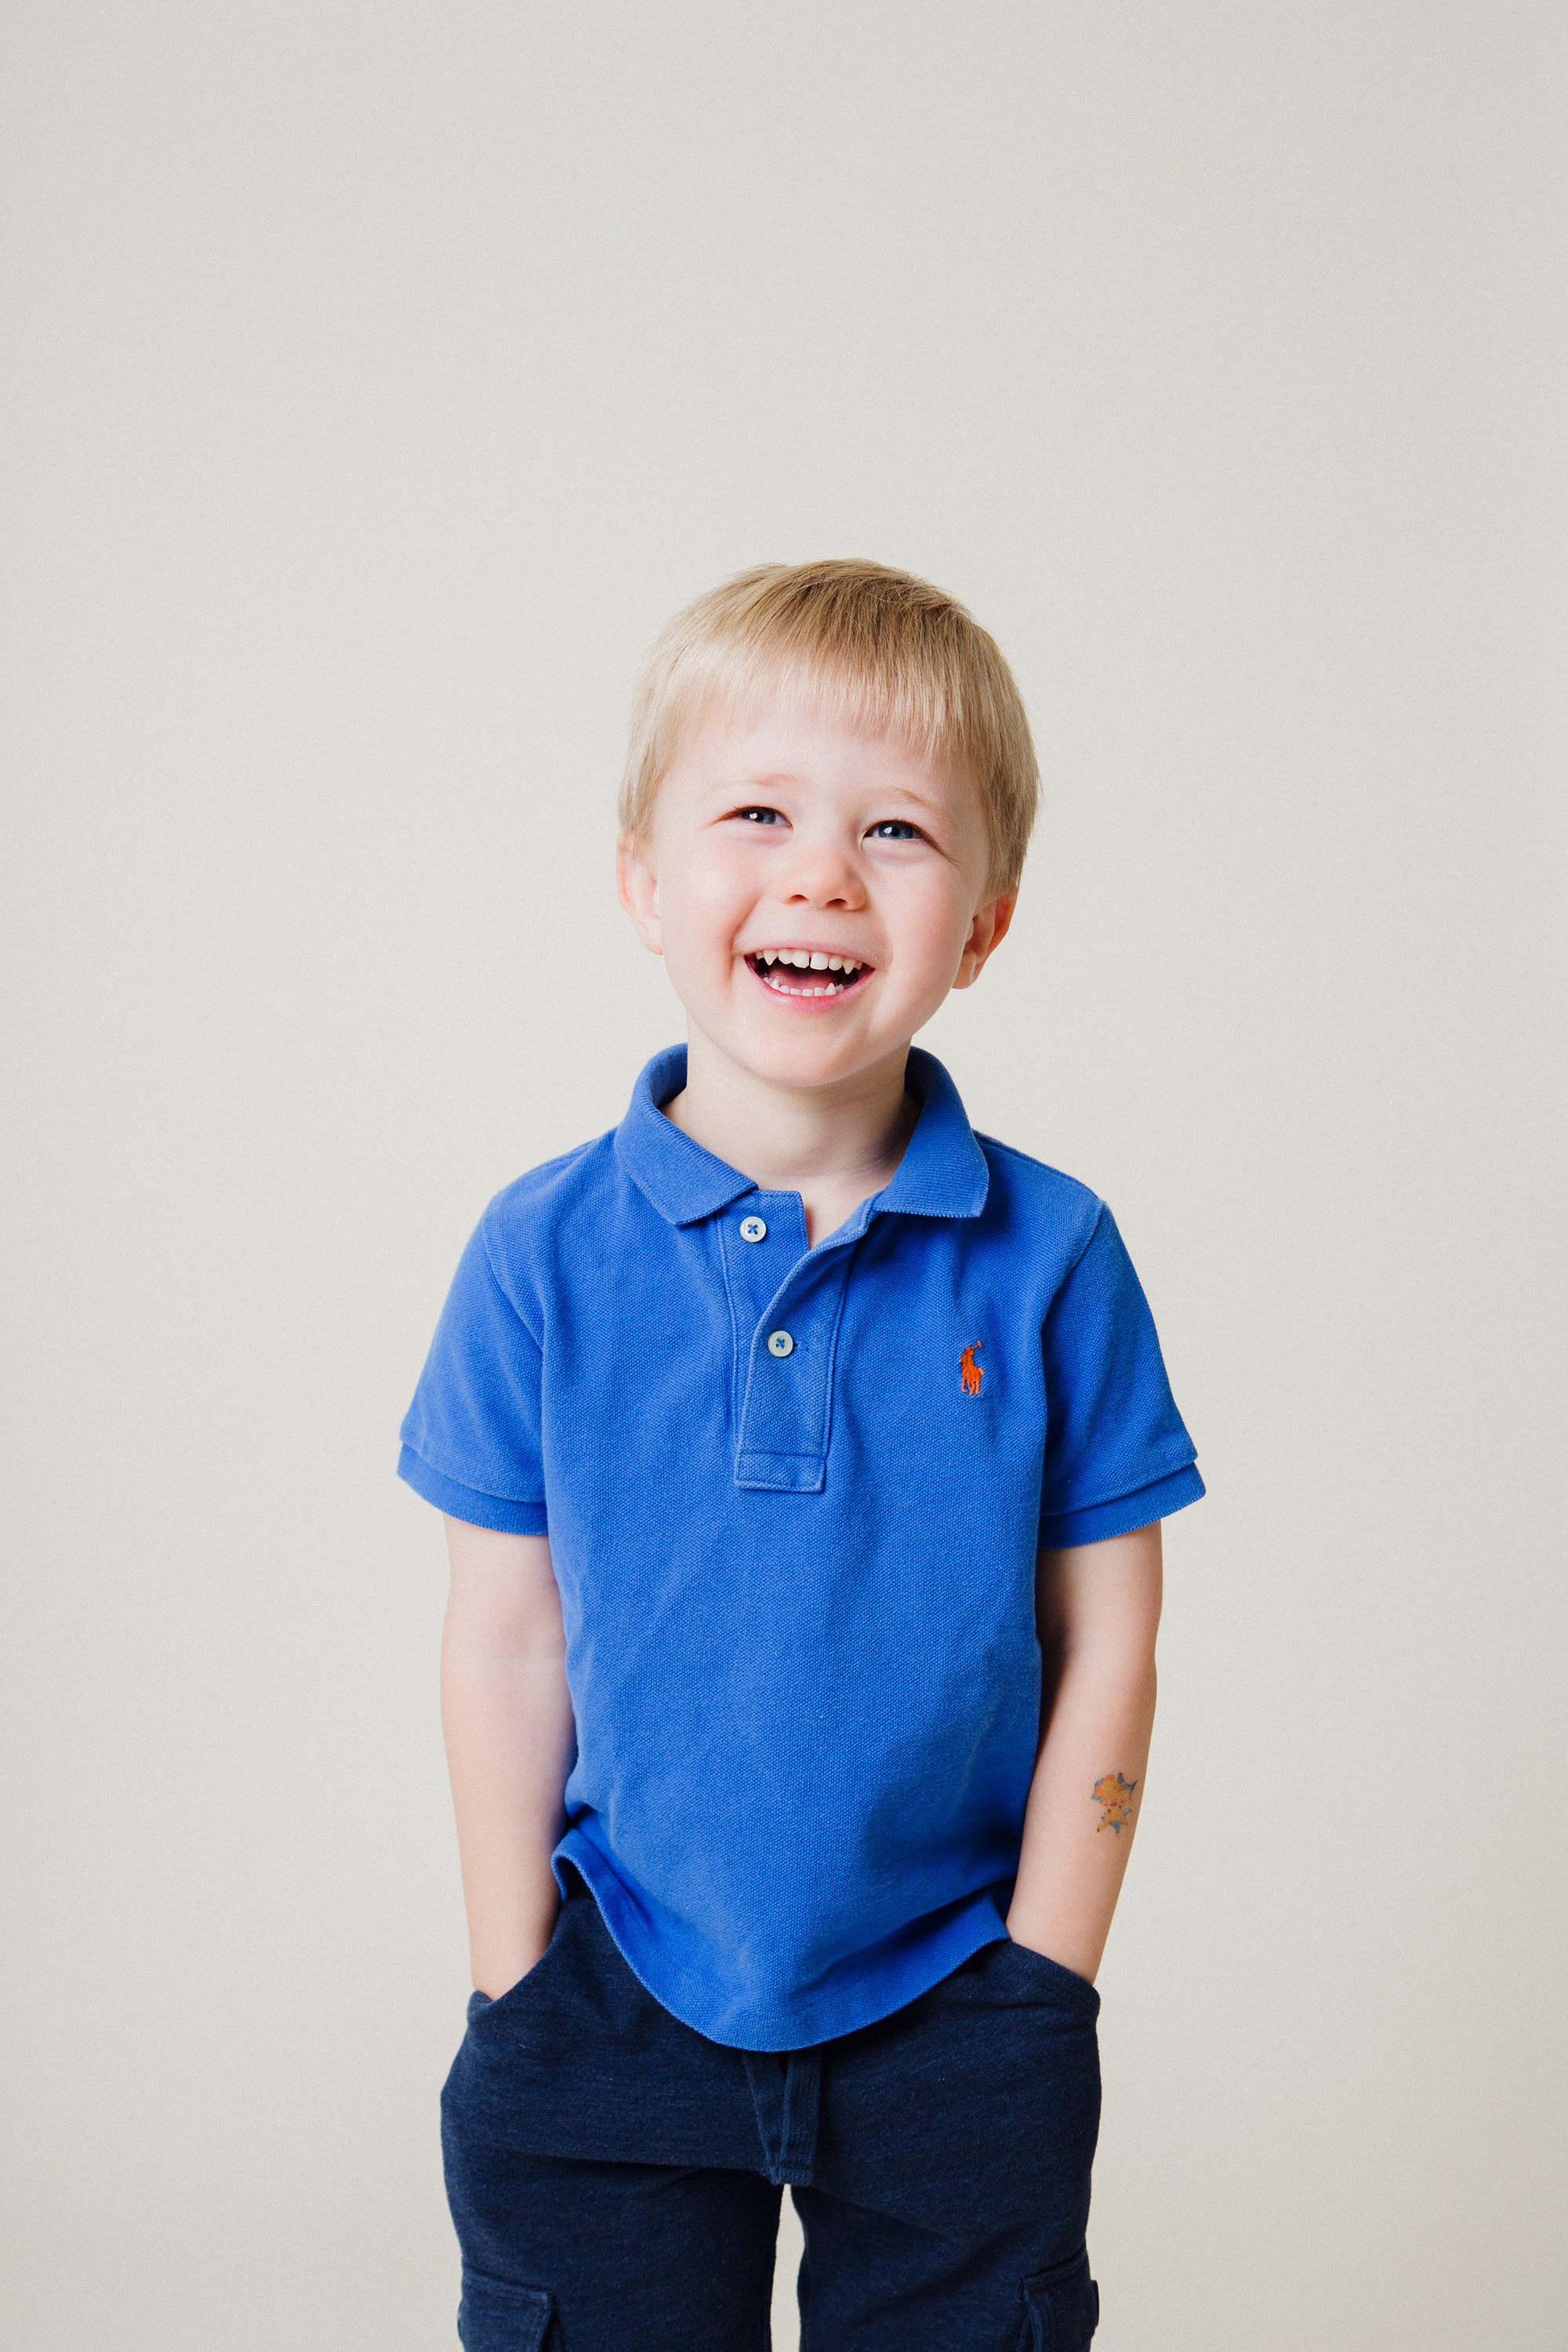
(494, 2316)
(1063, 2304)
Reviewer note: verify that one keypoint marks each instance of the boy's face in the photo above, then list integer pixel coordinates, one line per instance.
(780, 829)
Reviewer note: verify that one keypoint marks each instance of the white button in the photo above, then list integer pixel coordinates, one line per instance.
(754, 1229)
(780, 1344)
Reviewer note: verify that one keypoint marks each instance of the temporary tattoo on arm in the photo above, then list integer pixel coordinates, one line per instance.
(1116, 1795)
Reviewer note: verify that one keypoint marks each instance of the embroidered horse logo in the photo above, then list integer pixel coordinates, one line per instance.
(971, 1372)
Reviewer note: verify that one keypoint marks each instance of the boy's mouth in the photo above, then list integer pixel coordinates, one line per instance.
(803, 972)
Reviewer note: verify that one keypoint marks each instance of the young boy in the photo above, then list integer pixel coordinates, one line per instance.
(782, 1433)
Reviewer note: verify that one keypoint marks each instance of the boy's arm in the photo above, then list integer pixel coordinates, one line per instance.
(507, 1716)
(1098, 1609)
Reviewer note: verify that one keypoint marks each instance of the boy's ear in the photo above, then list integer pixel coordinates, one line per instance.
(987, 931)
(637, 887)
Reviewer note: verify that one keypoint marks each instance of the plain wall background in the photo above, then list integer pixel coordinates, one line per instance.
(378, 378)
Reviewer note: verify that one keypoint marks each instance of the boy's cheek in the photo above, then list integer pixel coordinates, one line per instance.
(703, 913)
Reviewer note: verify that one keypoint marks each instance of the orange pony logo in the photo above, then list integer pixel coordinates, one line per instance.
(973, 1373)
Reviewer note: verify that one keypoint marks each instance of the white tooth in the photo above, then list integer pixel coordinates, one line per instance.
(835, 963)
(799, 958)
(819, 963)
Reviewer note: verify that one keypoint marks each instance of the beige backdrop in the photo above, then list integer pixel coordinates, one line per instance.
(380, 377)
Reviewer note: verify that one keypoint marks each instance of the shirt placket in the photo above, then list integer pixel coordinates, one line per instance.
(793, 1298)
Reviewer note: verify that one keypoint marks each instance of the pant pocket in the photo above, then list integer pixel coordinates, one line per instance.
(1063, 2304)
(1058, 1983)
(495, 2316)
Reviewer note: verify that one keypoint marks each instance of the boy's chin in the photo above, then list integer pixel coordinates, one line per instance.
(795, 1052)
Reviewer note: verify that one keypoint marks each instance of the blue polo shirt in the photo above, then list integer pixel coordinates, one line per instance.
(793, 1499)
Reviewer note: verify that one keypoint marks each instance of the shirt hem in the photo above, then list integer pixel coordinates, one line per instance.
(977, 1923)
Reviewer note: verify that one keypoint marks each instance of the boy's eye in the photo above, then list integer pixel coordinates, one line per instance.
(758, 815)
(896, 828)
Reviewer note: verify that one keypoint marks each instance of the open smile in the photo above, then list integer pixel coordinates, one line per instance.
(809, 973)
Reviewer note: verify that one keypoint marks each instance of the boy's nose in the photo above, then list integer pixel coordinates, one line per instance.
(823, 876)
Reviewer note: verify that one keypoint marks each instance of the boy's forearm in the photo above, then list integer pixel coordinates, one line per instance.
(506, 1713)
(1088, 1786)
(509, 1750)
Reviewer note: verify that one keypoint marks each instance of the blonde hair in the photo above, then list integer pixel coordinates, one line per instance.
(887, 651)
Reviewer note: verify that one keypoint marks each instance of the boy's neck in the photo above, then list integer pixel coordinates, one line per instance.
(835, 1145)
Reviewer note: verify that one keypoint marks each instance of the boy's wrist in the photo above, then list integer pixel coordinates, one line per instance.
(1069, 1951)
(501, 1955)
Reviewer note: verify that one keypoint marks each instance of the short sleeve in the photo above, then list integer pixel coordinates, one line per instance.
(471, 1436)
(1118, 1454)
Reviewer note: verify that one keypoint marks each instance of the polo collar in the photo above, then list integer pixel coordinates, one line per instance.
(941, 1174)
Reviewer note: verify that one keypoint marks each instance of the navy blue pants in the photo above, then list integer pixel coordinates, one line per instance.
(615, 2177)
